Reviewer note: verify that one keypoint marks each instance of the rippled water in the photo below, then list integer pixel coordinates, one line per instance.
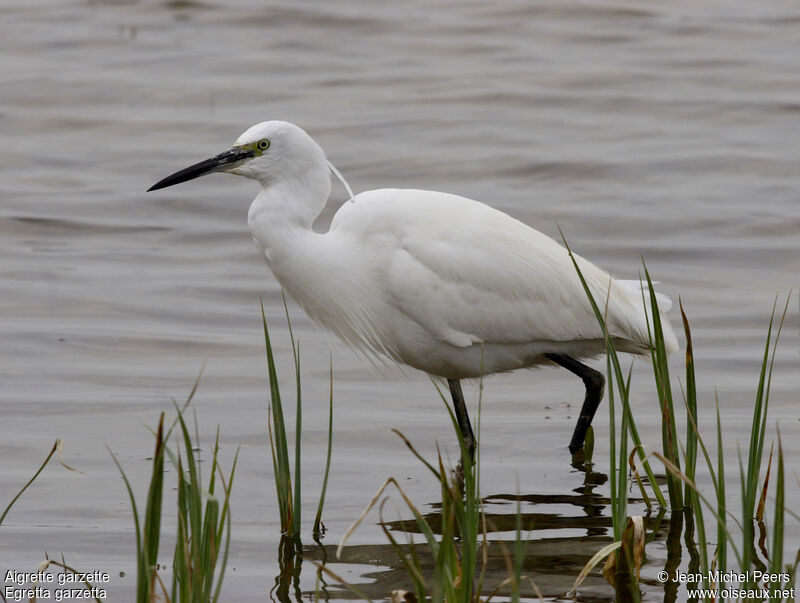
(663, 130)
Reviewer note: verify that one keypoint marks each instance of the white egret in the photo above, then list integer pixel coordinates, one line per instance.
(439, 282)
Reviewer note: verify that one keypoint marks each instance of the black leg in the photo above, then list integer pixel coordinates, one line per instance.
(461, 416)
(595, 383)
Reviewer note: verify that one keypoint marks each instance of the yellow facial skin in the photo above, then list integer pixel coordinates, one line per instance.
(257, 148)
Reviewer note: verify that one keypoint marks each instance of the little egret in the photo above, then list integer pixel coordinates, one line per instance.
(439, 282)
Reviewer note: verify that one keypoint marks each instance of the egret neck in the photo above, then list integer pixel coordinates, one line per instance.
(281, 215)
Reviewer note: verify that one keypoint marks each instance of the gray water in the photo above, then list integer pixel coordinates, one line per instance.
(663, 130)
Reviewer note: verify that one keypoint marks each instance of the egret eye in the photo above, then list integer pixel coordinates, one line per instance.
(263, 145)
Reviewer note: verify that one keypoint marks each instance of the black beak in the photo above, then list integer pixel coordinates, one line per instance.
(223, 161)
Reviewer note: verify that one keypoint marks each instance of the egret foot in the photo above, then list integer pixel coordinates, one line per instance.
(595, 384)
(578, 457)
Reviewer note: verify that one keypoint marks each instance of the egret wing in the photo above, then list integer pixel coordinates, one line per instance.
(470, 274)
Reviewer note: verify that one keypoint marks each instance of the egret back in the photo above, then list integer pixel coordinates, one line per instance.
(469, 274)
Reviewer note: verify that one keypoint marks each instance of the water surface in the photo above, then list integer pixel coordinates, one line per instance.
(667, 131)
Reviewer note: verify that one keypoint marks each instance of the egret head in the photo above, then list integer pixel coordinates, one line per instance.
(269, 152)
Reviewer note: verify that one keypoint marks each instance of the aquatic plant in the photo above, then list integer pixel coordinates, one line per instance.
(689, 500)
(203, 521)
(289, 494)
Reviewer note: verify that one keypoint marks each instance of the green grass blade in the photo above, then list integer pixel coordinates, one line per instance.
(194, 501)
(180, 569)
(691, 403)
(519, 555)
(618, 375)
(678, 473)
(283, 477)
(748, 536)
(188, 401)
(616, 515)
(622, 463)
(225, 521)
(661, 372)
(143, 580)
(751, 479)
(208, 546)
(756, 442)
(722, 531)
(318, 518)
(298, 431)
(697, 512)
(199, 559)
(152, 514)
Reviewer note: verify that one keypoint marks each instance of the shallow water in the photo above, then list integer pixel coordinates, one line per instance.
(663, 130)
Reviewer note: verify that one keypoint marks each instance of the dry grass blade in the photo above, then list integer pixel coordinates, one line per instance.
(635, 471)
(416, 454)
(369, 507)
(497, 588)
(410, 562)
(762, 539)
(622, 570)
(58, 448)
(485, 543)
(163, 589)
(610, 570)
(508, 581)
(402, 596)
(512, 576)
(635, 531)
(596, 558)
(48, 562)
(534, 587)
(763, 499)
(323, 568)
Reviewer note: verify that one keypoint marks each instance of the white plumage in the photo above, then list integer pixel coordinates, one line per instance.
(439, 282)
